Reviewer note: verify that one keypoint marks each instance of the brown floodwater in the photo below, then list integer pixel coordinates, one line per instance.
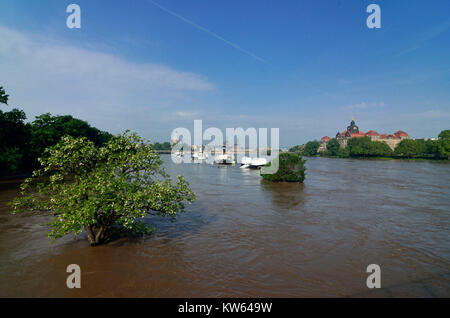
(247, 238)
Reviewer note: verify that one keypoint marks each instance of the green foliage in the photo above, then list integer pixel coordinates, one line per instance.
(311, 148)
(298, 148)
(162, 146)
(441, 147)
(291, 169)
(411, 148)
(94, 188)
(10, 159)
(343, 152)
(14, 140)
(22, 143)
(47, 130)
(333, 147)
(445, 134)
(364, 147)
(3, 96)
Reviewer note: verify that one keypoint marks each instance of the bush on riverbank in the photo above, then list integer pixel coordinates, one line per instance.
(291, 169)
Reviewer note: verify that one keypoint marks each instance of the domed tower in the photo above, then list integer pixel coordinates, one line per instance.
(353, 129)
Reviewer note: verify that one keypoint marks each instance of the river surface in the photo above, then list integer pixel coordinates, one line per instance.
(244, 237)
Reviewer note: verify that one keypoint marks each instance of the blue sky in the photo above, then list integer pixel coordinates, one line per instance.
(305, 67)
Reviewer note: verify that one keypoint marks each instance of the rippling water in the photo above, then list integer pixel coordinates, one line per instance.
(245, 237)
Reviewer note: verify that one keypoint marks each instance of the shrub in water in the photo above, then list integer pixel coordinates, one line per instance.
(291, 169)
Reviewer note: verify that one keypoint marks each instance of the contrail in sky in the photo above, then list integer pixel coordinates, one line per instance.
(237, 47)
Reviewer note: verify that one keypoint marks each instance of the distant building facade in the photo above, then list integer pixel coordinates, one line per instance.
(353, 131)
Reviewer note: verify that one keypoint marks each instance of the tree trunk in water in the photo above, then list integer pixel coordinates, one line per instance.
(100, 235)
(91, 237)
(97, 238)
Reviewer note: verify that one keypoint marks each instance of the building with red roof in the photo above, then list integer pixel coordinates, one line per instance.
(353, 131)
(372, 133)
(401, 134)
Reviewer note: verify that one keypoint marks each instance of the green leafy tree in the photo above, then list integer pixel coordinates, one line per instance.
(162, 146)
(3, 96)
(445, 134)
(101, 188)
(22, 143)
(295, 149)
(14, 136)
(10, 159)
(441, 146)
(291, 169)
(14, 139)
(364, 147)
(411, 148)
(311, 148)
(333, 146)
(343, 152)
(47, 130)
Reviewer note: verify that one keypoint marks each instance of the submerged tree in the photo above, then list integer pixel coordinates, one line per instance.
(96, 188)
(291, 168)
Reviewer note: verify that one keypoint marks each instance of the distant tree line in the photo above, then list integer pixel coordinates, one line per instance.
(365, 147)
(162, 146)
(22, 143)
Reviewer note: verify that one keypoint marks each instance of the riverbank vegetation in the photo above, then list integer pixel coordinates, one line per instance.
(291, 169)
(165, 146)
(437, 149)
(21, 143)
(102, 189)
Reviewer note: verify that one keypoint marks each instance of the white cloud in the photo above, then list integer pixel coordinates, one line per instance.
(111, 92)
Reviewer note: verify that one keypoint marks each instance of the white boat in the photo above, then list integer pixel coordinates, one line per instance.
(255, 163)
(198, 157)
(258, 162)
(220, 158)
(246, 161)
(224, 159)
